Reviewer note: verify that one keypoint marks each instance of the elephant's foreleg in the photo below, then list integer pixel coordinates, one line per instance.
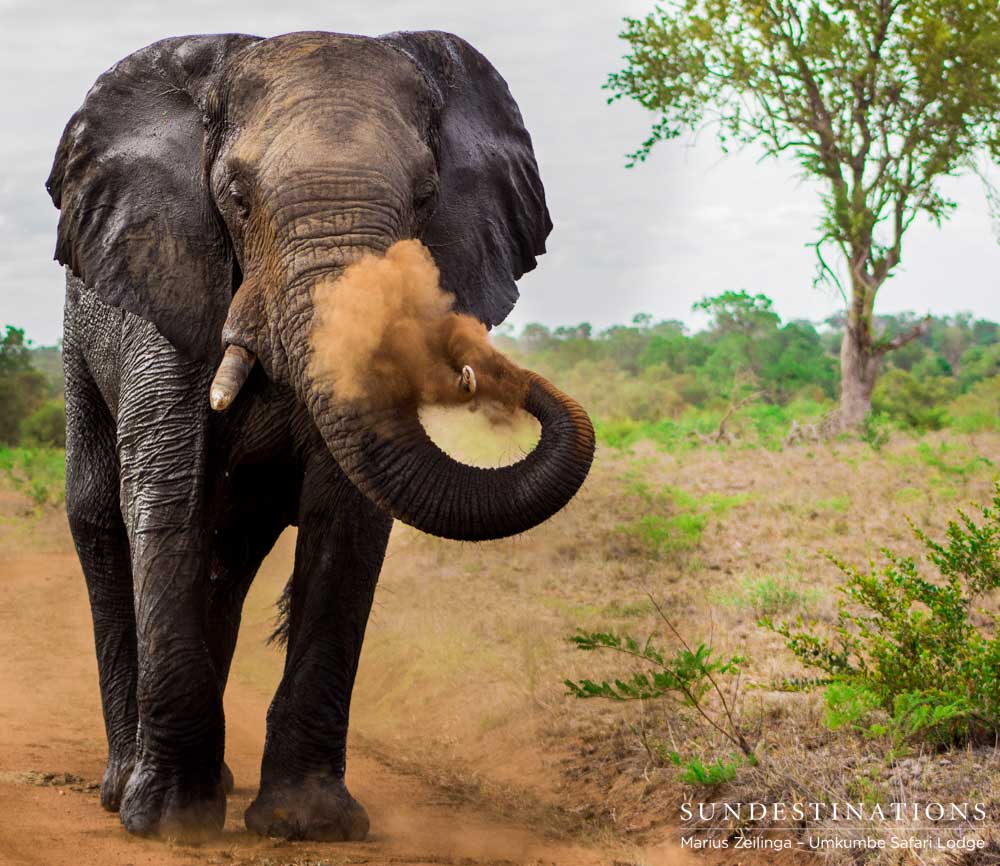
(99, 535)
(341, 545)
(238, 553)
(162, 429)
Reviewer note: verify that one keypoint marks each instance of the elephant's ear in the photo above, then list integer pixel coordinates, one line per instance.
(138, 224)
(491, 220)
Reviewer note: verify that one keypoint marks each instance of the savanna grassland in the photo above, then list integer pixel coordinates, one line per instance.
(718, 496)
(472, 642)
(462, 676)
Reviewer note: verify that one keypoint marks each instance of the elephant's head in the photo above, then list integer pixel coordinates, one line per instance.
(209, 183)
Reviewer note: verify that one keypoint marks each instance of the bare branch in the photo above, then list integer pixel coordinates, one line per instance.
(901, 340)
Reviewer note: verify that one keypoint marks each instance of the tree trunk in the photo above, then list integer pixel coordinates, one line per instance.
(859, 363)
(859, 356)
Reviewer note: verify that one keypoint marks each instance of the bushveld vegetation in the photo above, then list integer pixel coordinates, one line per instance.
(31, 405)
(32, 418)
(701, 523)
(748, 376)
(864, 96)
(911, 656)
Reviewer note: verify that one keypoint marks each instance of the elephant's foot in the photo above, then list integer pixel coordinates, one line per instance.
(115, 777)
(160, 803)
(319, 810)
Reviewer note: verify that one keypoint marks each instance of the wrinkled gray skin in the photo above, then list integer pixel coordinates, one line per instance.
(205, 185)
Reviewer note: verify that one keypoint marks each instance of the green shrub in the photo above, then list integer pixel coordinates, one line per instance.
(671, 521)
(916, 402)
(661, 535)
(962, 468)
(46, 426)
(695, 772)
(21, 393)
(875, 430)
(698, 679)
(907, 644)
(769, 595)
(978, 410)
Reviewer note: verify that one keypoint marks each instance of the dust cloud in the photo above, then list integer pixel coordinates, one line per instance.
(384, 334)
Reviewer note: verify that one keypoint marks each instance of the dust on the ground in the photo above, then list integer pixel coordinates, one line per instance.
(53, 751)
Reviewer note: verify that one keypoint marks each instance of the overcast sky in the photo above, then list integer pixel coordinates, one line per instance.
(654, 239)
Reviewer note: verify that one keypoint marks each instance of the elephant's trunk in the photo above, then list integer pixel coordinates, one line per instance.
(382, 446)
(389, 456)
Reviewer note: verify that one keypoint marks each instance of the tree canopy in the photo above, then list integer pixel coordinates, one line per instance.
(876, 99)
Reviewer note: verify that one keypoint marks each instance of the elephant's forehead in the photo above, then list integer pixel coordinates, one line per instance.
(314, 71)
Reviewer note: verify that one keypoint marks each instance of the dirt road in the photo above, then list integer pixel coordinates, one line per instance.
(51, 724)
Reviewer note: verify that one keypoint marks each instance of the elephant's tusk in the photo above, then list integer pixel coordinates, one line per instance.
(468, 380)
(229, 378)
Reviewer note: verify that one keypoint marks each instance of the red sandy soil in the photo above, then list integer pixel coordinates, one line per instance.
(50, 721)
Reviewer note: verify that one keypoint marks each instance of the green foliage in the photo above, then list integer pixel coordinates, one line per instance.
(877, 102)
(770, 595)
(752, 375)
(15, 352)
(740, 313)
(875, 430)
(839, 504)
(910, 645)
(21, 393)
(671, 521)
(687, 673)
(662, 535)
(917, 402)
(695, 772)
(977, 410)
(46, 426)
(38, 472)
(847, 704)
(48, 361)
(700, 680)
(24, 390)
(939, 459)
(913, 717)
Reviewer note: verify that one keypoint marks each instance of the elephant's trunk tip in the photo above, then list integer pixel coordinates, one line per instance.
(229, 378)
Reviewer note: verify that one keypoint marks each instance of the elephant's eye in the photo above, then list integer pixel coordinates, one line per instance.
(239, 200)
(424, 195)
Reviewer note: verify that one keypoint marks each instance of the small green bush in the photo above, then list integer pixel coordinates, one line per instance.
(943, 459)
(978, 410)
(672, 521)
(919, 403)
(695, 772)
(661, 536)
(698, 678)
(875, 430)
(909, 645)
(770, 595)
(46, 426)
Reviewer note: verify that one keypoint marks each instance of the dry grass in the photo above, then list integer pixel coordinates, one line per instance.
(461, 675)
(466, 652)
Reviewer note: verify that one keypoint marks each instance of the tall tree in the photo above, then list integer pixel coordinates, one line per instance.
(876, 99)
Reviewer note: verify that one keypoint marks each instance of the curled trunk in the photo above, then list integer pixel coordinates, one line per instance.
(389, 456)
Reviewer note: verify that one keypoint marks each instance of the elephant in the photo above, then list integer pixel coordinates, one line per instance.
(205, 186)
